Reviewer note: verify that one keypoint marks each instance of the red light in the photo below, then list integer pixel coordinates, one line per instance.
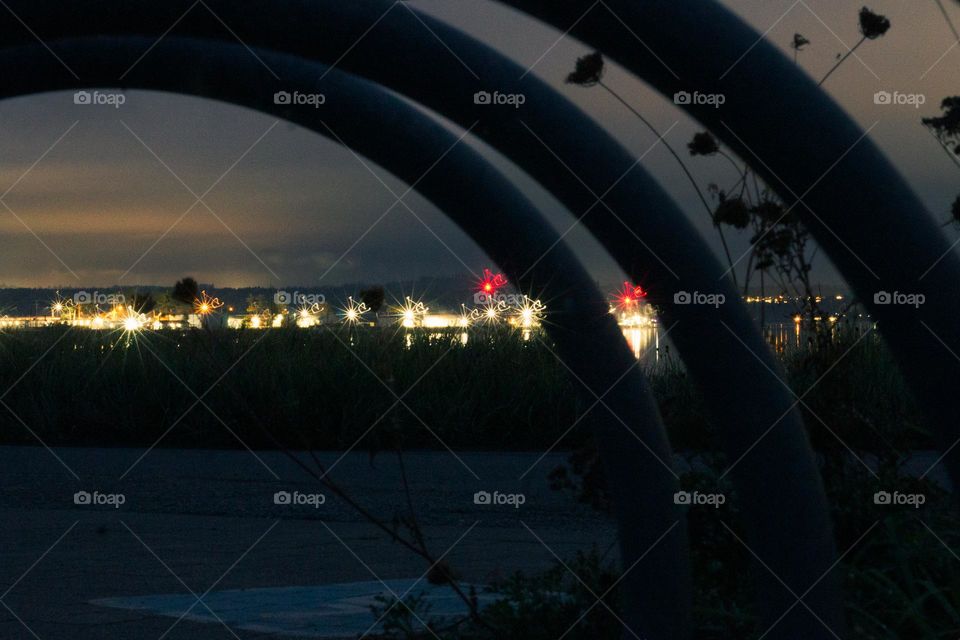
(491, 282)
(630, 294)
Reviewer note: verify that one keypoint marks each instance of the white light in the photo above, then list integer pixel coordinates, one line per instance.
(353, 312)
(527, 316)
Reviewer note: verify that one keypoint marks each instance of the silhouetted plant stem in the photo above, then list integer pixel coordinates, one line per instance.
(686, 171)
(842, 60)
(417, 546)
(415, 530)
(733, 163)
(756, 186)
(946, 16)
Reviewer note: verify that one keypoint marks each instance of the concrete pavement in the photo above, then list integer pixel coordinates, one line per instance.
(84, 525)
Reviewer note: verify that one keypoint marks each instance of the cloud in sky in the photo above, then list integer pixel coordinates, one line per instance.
(100, 200)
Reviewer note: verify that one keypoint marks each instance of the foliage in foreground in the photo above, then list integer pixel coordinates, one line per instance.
(901, 580)
(307, 389)
(325, 389)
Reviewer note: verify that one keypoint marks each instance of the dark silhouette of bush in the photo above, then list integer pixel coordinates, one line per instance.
(186, 290)
(373, 297)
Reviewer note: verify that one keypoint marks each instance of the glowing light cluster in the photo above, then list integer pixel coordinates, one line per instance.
(626, 306)
(307, 314)
(353, 312)
(61, 307)
(491, 312)
(530, 312)
(132, 321)
(491, 282)
(629, 295)
(205, 305)
(466, 317)
(412, 312)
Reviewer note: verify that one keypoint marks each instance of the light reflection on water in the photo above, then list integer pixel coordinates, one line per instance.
(651, 346)
(645, 342)
(784, 337)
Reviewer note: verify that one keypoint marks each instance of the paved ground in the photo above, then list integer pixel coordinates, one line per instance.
(176, 524)
(207, 520)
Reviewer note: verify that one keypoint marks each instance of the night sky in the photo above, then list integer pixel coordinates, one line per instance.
(99, 199)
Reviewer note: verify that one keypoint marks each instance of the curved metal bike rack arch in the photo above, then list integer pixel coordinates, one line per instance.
(477, 197)
(854, 201)
(781, 501)
(857, 205)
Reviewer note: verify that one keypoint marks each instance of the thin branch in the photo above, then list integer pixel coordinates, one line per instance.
(686, 171)
(946, 16)
(842, 60)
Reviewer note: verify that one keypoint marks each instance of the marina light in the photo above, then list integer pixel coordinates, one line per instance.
(353, 312)
(133, 321)
(205, 305)
(491, 312)
(491, 282)
(629, 295)
(411, 313)
(60, 306)
(466, 318)
(529, 312)
(307, 314)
